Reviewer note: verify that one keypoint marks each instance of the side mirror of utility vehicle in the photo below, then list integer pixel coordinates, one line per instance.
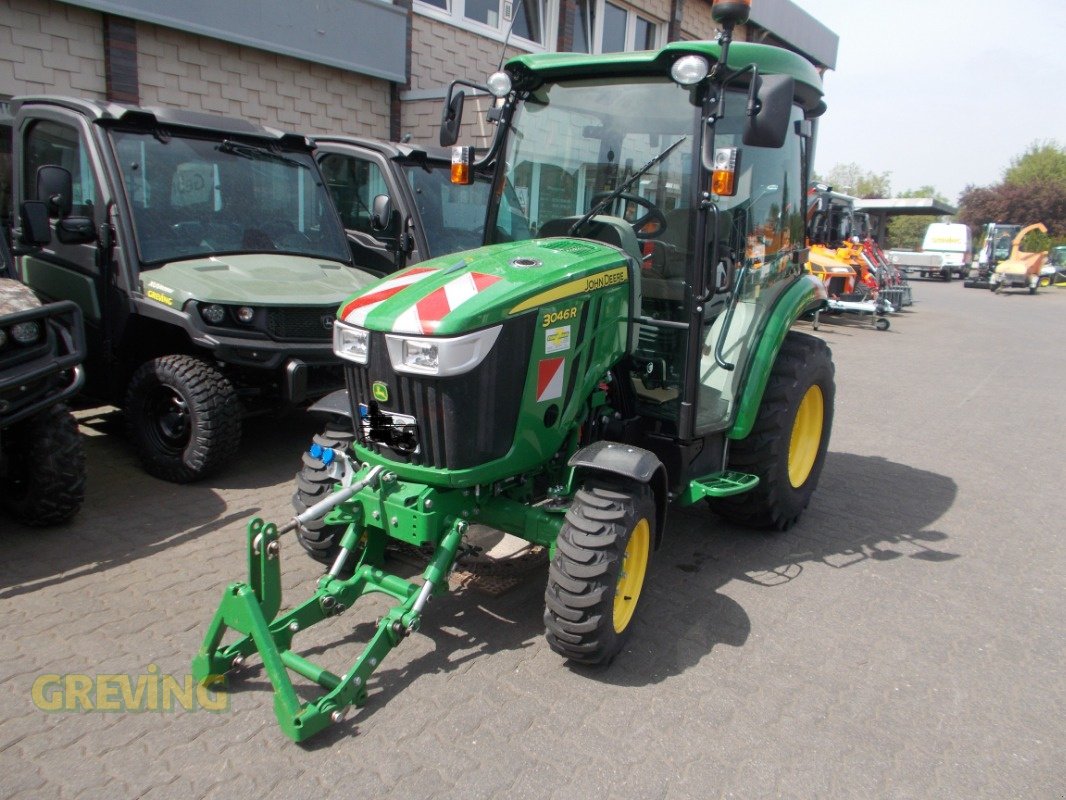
(55, 188)
(769, 110)
(381, 214)
(452, 119)
(33, 220)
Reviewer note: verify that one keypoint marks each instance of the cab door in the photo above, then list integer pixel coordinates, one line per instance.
(66, 270)
(354, 177)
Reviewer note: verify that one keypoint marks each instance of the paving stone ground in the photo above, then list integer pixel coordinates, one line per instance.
(905, 640)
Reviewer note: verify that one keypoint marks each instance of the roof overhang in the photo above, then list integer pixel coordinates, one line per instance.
(909, 206)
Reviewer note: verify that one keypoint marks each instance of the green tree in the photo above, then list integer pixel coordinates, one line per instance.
(854, 180)
(1042, 161)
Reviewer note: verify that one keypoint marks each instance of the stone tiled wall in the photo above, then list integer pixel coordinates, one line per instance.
(50, 47)
(54, 48)
(194, 72)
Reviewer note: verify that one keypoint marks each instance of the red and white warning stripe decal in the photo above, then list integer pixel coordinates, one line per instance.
(550, 378)
(425, 316)
(355, 313)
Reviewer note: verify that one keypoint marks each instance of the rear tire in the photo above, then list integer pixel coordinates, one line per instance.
(184, 418)
(313, 483)
(787, 444)
(600, 565)
(44, 478)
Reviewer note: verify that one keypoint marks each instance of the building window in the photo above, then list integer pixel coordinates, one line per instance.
(524, 19)
(601, 26)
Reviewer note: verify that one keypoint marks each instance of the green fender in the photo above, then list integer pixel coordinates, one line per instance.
(805, 295)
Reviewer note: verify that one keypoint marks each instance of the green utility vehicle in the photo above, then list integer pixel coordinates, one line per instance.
(621, 343)
(207, 259)
(42, 460)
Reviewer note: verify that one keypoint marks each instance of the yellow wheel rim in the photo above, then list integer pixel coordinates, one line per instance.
(806, 436)
(631, 576)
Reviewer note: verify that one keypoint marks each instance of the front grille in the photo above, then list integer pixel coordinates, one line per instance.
(461, 421)
(301, 324)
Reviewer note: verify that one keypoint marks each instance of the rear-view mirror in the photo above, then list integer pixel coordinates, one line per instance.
(452, 119)
(769, 110)
(55, 188)
(33, 220)
(381, 214)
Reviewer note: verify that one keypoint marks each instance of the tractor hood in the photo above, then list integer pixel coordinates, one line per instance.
(461, 292)
(261, 280)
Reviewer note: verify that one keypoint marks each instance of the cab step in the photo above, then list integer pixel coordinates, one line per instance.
(719, 484)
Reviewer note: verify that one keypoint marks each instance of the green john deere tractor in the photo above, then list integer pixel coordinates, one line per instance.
(620, 343)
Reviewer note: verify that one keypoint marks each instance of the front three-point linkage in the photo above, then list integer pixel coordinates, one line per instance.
(251, 609)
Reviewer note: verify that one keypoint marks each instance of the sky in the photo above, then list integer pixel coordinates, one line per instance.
(941, 92)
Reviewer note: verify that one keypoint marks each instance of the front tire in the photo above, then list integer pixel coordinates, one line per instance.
(787, 444)
(184, 418)
(601, 561)
(313, 484)
(44, 478)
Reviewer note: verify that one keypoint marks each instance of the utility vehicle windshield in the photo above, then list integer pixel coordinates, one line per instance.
(197, 197)
(453, 217)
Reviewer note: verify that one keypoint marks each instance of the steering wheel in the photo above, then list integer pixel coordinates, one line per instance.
(649, 225)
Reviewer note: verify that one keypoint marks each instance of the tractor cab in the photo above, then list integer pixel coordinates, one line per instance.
(695, 170)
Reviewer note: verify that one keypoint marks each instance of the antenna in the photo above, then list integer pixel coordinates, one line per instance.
(514, 17)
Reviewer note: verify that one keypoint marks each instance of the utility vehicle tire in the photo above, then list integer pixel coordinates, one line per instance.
(321, 541)
(183, 416)
(882, 324)
(787, 444)
(600, 563)
(44, 476)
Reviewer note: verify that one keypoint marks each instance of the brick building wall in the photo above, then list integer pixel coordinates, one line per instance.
(50, 47)
(201, 74)
(54, 48)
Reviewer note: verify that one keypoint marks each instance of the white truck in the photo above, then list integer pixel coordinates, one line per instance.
(945, 252)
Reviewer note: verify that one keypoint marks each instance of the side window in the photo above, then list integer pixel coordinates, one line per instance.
(353, 183)
(52, 143)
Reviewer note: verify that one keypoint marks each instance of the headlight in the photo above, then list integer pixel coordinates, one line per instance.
(350, 343)
(440, 356)
(213, 314)
(688, 70)
(499, 84)
(421, 355)
(245, 314)
(3, 337)
(26, 332)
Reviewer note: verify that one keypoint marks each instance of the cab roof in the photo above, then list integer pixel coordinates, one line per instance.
(528, 70)
(110, 113)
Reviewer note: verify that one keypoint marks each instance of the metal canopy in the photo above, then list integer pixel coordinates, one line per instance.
(881, 210)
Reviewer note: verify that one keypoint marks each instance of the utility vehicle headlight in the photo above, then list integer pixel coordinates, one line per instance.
(245, 314)
(351, 343)
(213, 314)
(26, 332)
(440, 356)
(688, 70)
(3, 337)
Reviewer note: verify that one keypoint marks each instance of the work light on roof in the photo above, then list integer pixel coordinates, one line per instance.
(499, 84)
(688, 70)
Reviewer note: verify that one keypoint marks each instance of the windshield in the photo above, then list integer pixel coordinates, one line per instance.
(197, 197)
(573, 142)
(452, 217)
